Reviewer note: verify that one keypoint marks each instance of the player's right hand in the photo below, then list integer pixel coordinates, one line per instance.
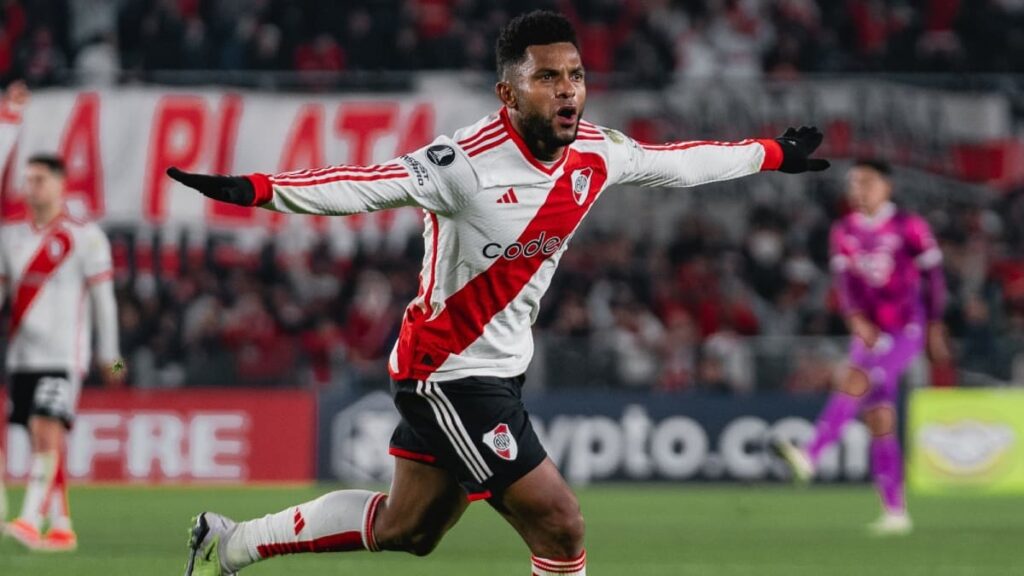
(864, 329)
(17, 95)
(234, 189)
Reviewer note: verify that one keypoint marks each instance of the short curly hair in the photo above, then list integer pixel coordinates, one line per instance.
(531, 29)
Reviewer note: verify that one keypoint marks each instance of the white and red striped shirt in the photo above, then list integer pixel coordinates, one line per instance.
(49, 274)
(497, 221)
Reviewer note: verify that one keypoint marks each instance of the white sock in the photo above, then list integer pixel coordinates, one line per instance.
(57, 507)
(574, 567)
(335, 522)
(44, 467)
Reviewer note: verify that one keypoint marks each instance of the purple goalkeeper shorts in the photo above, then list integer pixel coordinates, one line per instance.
(886, 362)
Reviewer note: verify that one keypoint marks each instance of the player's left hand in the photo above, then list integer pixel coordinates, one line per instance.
(938, 344)
(113, 374)
(797, 146)
(233, 189)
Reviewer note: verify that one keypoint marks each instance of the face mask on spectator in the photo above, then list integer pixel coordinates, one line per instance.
(765, 247)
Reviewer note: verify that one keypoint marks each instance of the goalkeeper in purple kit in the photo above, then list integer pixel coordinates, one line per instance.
(888, 276)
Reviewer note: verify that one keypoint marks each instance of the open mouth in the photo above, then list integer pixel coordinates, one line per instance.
(567, 116)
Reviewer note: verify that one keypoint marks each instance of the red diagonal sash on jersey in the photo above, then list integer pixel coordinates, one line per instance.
(53, 250)
(424, 345)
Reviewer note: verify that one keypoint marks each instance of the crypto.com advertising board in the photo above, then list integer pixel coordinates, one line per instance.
(616, 436)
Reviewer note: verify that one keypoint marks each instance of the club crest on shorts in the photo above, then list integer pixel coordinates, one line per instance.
(502, 442)
(581, 184)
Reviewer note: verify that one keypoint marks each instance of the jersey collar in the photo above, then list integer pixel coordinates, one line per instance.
(887, 211)
(525, 150)
(60, 217)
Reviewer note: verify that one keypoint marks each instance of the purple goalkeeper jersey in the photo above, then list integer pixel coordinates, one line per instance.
(888, 268)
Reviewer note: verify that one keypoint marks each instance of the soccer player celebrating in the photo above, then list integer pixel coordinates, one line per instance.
(888, 274)
(501, 199)
(49, 264)
(15, 99)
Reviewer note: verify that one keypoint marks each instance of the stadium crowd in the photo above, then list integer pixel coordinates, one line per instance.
(646, 42)
(702, 311)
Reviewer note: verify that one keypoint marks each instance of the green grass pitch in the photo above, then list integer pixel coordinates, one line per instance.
(631, 531)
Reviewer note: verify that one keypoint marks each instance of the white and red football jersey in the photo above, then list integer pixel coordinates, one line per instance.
(497, 221)
(47, 273)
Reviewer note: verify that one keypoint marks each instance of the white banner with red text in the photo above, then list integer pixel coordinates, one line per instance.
(118, 143)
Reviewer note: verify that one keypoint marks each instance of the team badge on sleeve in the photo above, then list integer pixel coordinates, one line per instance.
(502, 442)
(581, 184)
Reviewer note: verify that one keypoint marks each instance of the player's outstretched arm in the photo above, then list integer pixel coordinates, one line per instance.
(700, 162)
(437, 178)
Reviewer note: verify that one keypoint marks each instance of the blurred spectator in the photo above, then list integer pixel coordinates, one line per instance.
(635, 341)
(726, 364)
(91, 19)
(98, 62)
(314, 58)
(196, 52)
(41, 60)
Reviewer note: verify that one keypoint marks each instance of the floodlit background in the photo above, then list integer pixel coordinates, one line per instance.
(684, 327)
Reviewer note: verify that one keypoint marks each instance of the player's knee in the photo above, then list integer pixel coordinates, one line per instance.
(423, 542)
(408, 535)
(856, 383)
(47, 433)
(881, 421)
(564, 527)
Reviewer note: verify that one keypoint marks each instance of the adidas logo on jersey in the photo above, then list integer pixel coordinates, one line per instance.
(509, 197)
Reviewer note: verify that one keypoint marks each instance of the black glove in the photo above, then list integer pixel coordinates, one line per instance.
(797, 145)
(234, 189)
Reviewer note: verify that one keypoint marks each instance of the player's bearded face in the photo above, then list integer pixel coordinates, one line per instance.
(551, 94)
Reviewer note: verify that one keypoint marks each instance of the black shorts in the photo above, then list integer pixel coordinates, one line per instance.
(45, 393)
(477, 428)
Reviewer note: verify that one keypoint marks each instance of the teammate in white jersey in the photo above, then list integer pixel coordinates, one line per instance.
(501, 200)
(15, 99)
(57, 272)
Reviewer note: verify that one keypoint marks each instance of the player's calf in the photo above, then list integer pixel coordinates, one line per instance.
(887, 463)
(409, 535)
